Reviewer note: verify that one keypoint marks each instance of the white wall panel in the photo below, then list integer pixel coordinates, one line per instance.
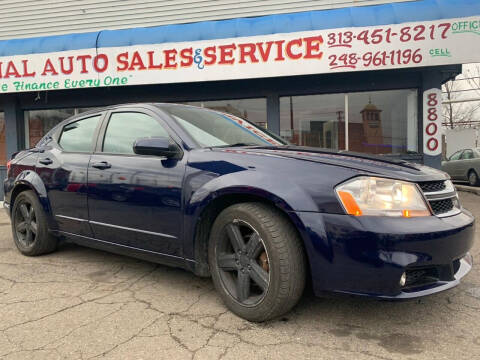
(31, 18)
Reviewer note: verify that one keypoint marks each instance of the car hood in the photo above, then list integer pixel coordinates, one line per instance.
(372, 165)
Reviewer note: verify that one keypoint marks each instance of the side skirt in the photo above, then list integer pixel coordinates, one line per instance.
(164, 259)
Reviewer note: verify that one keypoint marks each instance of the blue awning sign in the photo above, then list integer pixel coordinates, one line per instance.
(360, 48)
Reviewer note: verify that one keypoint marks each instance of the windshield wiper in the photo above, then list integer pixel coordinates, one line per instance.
(235, 145)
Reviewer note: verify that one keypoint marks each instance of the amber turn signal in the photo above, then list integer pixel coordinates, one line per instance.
(351, 206)
(415, 213)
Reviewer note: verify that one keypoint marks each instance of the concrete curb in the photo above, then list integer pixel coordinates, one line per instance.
(469, 189)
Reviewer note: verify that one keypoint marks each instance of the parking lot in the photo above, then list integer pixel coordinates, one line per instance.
(80, 303)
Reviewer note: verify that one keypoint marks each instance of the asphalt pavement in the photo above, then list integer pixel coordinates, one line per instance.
(80, 303)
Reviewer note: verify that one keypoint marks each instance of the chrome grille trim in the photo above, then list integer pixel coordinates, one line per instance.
(447, 193)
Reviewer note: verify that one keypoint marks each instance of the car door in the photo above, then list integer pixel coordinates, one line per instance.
(452, 165)
(135, 200)
(62, 165)
(467, 162)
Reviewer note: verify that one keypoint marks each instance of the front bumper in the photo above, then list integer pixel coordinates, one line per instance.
(367, 255)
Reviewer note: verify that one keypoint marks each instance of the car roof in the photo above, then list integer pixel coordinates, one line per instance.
(98, 110)
(139, 104)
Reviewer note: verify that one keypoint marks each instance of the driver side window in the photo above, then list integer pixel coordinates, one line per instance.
(125, 127)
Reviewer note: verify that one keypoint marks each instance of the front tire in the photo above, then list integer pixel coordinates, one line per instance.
(29, 226)
(257, 261)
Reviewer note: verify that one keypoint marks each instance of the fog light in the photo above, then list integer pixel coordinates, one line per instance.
(403, 279)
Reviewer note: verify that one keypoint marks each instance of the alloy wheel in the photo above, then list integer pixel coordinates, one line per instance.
(26, 224)
(243, 263)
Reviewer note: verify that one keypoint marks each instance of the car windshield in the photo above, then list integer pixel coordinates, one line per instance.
(215, 129)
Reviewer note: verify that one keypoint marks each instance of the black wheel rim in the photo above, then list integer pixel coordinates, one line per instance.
(25, 222)
(243, 263)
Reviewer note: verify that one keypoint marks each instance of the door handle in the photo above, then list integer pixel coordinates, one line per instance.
(102, 165)
(45, 161)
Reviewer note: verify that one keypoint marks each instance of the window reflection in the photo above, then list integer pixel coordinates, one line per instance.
(383, 122)
(254, 110)
(313, 120)
(379, 122)
(78, 136)
(39, 122)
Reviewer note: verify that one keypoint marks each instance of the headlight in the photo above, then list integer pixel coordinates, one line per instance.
(381, 197)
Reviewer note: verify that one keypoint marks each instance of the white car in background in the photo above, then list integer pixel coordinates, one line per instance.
(464, 165)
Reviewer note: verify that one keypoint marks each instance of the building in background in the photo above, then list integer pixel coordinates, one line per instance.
(343, 75)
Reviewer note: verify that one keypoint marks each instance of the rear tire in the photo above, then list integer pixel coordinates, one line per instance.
(257, 261)
(473, 178)
(29, 226)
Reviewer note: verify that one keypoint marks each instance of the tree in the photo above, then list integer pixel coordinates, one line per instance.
(458, 110)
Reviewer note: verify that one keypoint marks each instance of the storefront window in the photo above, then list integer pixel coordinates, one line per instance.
(313, 120)
(39, 122)
(379, 122)
(383, 122)
(254, 110)
(3, 145)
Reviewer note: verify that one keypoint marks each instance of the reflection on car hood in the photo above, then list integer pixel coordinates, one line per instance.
(383, 166)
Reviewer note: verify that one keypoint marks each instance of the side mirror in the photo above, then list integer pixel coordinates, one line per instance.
(159, 146)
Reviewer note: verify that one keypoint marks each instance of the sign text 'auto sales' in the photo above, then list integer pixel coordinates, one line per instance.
(311, 52)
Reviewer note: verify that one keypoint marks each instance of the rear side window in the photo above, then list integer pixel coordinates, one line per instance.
(467, 154)
(78, 136)
(126, 127)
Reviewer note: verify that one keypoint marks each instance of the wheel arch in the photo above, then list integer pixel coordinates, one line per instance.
(469, 171)
(221, 201)
(29, 180)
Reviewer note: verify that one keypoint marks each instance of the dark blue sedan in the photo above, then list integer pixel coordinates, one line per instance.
(217, 195)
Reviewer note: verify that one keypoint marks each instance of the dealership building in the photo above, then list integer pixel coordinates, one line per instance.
(361, 75)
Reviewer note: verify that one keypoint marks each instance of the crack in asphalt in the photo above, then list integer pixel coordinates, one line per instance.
(85, 304)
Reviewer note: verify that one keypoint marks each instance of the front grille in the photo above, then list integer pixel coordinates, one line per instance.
(442, 198)
(441, 206)
(432, 186)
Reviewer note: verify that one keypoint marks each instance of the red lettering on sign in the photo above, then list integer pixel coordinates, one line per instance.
(151, 65)
(312, 45)
(432, 144)
(247, 50)
(83, 60)
(63, 70)
(49, 68)
(25, 70)
(226, 54)
(137, 62)
(288, 49)
(187, 57)
(122, 60)
(210, 55)
(279, 44)
(11, 71)
(431, 123)
(170, 59)
(431, 129)
(100, 59)
(264, 53)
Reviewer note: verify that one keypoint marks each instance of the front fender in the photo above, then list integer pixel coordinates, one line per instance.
(285, 194)
(201, 188)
